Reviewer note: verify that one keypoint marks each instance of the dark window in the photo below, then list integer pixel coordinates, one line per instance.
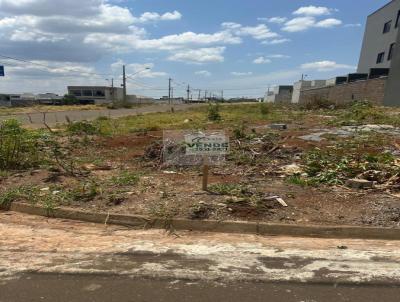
(387, 26)
(381, 58)
(398, 19)
(390, 55)
(87, 93)
(99, 93)
(76, 92)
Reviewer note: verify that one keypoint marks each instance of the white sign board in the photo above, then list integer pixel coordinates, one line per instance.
(206, 144)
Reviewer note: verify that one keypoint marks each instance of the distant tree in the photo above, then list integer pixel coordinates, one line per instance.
(70, 99)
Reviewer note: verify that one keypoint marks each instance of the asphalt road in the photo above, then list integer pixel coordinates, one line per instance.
(35, 120)
(84, 288)
(61, 260)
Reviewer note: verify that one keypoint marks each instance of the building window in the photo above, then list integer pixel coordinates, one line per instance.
(381, 58)
(87, 93)
(398, 19)
(99, 93)
(387, 26)
(76, 92)
(390, 55)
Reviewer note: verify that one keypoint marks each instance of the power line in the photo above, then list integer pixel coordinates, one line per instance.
(52, 68)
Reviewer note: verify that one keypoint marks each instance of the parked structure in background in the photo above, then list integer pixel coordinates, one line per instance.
(280, 94)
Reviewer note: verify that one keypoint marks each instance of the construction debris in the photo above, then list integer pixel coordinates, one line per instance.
(359, 183)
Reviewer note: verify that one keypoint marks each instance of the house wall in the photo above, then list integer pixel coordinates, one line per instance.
(392, 93)
(375, 41)
(372, 90)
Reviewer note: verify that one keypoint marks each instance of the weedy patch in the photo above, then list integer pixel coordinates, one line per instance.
(26, 193)
(19, 148)
(363, 157)
(361, 113)
(126, 178)
(82, 128)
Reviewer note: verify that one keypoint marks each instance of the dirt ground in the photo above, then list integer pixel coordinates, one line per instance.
(245, 187)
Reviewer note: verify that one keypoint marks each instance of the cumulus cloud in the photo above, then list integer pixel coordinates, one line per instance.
(304, 23)
(259, 32)
(261, 60)
(325, 66)
(314, 11)
(198, 56)
(204, 73)
(276, 41)
(327, 23)
(276, 20)
(154, 17)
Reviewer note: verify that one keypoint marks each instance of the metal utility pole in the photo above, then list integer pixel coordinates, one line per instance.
(222, 95)
(169, 91)
(188, 93)
(124, 82)
(199, 95)
(112, 89)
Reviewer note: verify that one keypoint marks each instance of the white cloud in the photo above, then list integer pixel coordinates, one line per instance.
(314, 11)
(154, 17)
(259, 32)
(276, 20)
(328, 23)
(305, 23)
(137, 70)
(325, 66)
(275, 41)
(203, 73)
(278, 56)
(353, 25)
(299, 24)
(241, 74)
(261, 60)
(198, 56)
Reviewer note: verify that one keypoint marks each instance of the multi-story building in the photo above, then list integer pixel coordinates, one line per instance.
(96, 94)
(380, 49)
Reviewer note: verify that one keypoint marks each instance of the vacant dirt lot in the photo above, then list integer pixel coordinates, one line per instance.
(117, 166)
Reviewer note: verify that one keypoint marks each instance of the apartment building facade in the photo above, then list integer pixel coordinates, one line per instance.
(380, 49)
(380, 38)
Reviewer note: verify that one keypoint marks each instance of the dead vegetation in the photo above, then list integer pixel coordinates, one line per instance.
(273, 173)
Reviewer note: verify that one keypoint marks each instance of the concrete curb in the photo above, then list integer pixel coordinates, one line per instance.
(259, 228)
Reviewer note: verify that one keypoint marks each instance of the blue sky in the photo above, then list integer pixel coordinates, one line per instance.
(239, 46)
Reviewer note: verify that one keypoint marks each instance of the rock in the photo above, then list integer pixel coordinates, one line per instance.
(169, 172)
(278, 126)
(45, 189)
(291, 169)
(359, 183)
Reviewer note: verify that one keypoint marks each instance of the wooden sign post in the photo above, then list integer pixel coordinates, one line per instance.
(206, 169)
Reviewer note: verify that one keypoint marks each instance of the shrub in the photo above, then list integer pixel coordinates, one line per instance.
(18, 147)
(265, 109)
(84, 127)
(213, 112)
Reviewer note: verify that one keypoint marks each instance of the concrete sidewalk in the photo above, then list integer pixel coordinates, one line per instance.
(35, 120)
(36, 244)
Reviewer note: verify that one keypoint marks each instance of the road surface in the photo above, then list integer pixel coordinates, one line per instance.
(35, 120)
(59, 260)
